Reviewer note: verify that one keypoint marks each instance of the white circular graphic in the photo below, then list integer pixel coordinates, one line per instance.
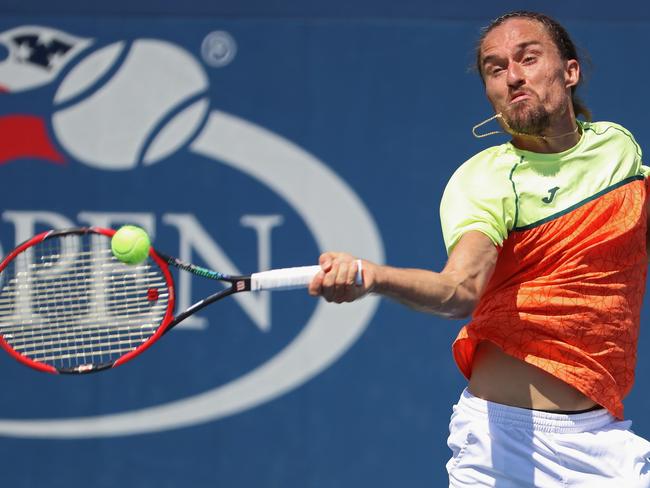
(218, 49)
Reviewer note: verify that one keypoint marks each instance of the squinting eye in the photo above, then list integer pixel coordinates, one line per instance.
(529, 59)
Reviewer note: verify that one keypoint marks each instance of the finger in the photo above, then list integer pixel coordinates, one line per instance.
(341, 283)
(325, 260)
(329, 282)
(316, 286)
(342, 274)
(351, 278)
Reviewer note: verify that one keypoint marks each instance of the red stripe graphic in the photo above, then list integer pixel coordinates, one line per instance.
(25, 136)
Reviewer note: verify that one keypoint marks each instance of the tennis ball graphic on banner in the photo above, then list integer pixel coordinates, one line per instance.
(127, 105)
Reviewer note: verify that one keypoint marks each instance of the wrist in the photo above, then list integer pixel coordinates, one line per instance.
(378, 279)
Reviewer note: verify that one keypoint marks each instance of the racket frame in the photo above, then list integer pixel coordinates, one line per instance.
(238, 283)
(94, 367)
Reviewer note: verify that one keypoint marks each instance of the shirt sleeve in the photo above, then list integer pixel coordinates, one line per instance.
(477, 197)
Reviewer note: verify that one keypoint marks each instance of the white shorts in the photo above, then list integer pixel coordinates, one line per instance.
(501, 446)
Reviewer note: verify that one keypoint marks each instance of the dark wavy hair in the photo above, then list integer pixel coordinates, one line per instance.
(560, 38)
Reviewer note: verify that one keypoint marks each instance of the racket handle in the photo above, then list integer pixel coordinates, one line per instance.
(291, 278)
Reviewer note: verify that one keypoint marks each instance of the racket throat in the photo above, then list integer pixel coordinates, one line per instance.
(238, 284)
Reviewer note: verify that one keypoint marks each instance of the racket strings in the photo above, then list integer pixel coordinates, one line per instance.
(75, 291)
(18, 334)
(81, 336)
(69, 302)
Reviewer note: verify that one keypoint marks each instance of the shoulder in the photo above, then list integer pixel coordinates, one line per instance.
(612, 144)
(493, 157)
(613, 133)
(479, 196)
(489, 168)
(602, 127)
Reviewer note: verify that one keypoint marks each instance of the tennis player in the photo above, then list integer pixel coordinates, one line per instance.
(546, 236)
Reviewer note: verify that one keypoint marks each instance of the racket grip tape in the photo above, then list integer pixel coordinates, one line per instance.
(291, 278)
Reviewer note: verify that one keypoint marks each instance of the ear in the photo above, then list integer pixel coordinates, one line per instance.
(572, 73)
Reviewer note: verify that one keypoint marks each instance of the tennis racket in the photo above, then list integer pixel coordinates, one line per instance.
(67, 305)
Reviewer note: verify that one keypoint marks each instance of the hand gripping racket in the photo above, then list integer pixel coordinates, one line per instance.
(67, 305)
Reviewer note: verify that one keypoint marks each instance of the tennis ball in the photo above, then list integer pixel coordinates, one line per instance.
(130, 244)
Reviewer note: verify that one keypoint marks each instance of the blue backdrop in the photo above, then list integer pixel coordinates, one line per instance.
(244, 135)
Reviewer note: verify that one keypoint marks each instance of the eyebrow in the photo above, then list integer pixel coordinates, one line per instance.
(520, 47)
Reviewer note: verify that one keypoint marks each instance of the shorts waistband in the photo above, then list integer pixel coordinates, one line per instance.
(533, 420)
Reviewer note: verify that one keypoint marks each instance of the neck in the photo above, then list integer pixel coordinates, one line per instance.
(555, 140)
(558, 138)
(563, 133)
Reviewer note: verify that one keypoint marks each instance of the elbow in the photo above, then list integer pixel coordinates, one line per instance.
(461, 295)
(464, 309)
(462, 300)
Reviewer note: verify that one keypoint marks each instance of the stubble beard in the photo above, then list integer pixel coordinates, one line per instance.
(524, 119)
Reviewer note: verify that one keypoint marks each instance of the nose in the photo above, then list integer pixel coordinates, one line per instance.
(515, 75)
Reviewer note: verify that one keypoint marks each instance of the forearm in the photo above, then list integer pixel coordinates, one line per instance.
(447, 294)
(451, 293)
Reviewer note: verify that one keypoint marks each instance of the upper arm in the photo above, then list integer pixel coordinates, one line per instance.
(471, 264)
(479, 197)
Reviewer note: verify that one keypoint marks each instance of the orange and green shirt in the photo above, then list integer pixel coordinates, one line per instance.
(568, 285)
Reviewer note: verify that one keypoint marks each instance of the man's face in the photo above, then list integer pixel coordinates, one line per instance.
(525, 78)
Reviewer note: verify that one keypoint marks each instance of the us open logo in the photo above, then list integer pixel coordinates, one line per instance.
(136, 106)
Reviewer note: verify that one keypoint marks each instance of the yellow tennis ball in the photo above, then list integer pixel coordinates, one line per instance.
(130, 244)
